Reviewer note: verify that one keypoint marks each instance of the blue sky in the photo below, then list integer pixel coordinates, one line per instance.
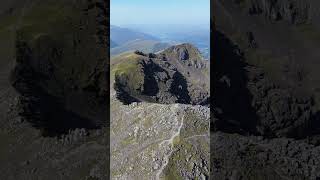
(188, 12)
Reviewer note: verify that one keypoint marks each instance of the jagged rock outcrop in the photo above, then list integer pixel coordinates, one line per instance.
(176, 75)
(280, 112)
(292, 11)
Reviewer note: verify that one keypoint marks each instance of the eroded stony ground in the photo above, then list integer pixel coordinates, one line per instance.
(159, 141)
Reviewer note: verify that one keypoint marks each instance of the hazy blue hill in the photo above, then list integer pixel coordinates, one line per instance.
(113, 44)
(199, 35)
(153, 38)
(147, 46)
(122, 35)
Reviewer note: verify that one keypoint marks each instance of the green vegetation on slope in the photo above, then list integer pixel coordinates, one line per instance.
(128, 69)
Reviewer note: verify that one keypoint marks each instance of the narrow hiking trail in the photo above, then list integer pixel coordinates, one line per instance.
(169, 144)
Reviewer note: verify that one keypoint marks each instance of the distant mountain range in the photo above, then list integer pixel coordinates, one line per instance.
(113, 44)
(152, 39)
(124, 40)
(198, 35)
(121, 35)
(147, 46)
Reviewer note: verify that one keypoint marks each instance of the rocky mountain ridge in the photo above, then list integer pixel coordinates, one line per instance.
(175, 75)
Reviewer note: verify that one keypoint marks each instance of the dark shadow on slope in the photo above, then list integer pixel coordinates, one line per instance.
(44, 111)
(230, 93)
(314, 127)
(158, 87)
(154, 75)
(180, 88)
(41, 109)
(122, 95)
(150, 86)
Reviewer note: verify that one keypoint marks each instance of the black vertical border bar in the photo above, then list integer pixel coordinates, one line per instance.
(212, 80)
(108, 115)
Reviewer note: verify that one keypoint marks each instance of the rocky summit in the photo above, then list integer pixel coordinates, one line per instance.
(176, 75)
(160, 115)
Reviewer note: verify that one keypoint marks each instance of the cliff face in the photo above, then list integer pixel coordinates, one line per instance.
(266, 82)
(291, 11)
(54, 64)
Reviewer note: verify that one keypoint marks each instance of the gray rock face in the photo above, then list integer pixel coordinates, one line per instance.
(235, 156)
(292, 11)
(183, 54)
(280, 112)
(187, 54)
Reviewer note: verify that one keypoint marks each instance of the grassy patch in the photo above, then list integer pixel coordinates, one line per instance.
(239, 39)
(176, 140)
(7, 21)
(129, 73)
(242, 3)
(55, 19)
(123, 63)
(7, 46)
(309, 32)
(280, 69)
(128, 140)
(194, 125)
(71, 36)
(177, 160)
(147, 123)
